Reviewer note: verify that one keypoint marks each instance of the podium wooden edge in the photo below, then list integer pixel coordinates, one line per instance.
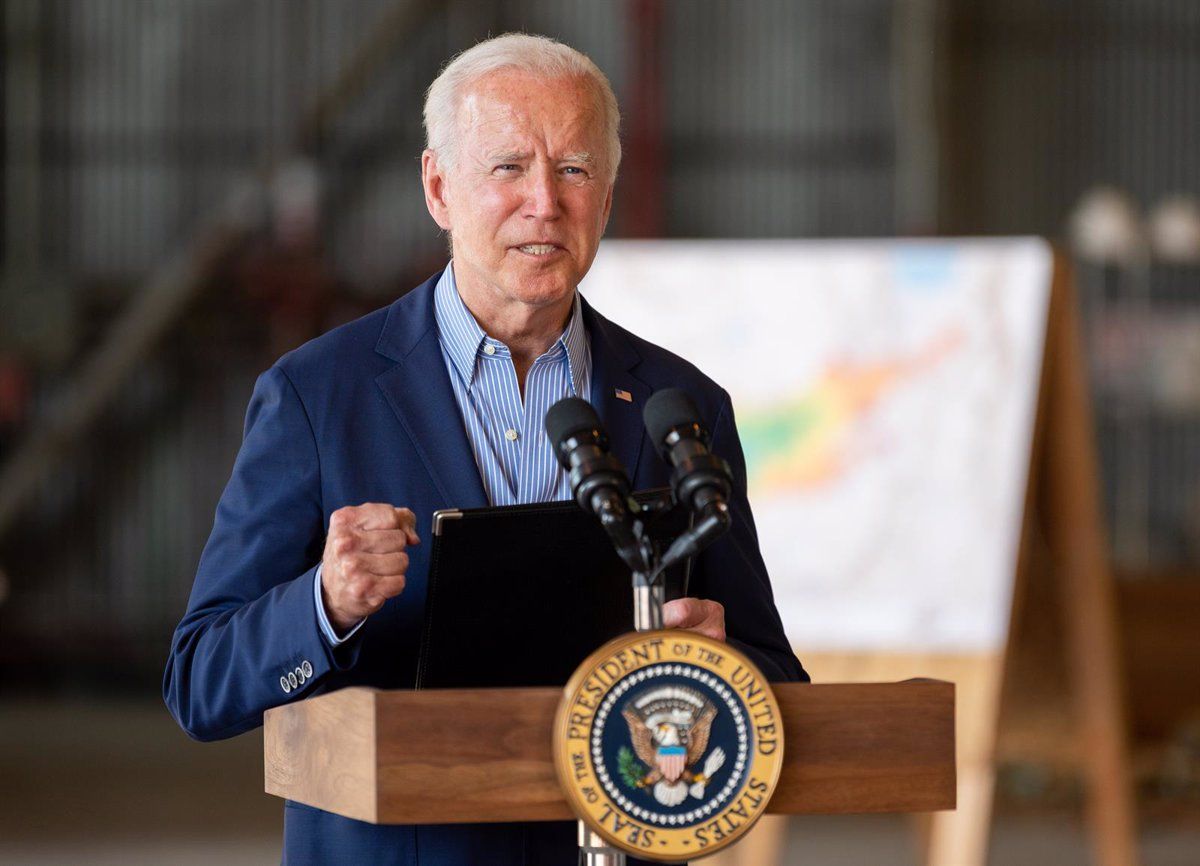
(454, 756)
(322, 752)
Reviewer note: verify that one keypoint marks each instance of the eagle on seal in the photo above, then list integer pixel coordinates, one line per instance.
(670, 752)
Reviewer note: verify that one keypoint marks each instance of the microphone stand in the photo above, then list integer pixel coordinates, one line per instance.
(649, 595)
(649, 592)
(594, 852)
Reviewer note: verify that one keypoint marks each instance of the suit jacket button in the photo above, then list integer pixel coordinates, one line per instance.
(285, 685)
(307, 668)
(300, 675)
(292, 681)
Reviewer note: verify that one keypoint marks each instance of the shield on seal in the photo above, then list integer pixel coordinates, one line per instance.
(671, 760)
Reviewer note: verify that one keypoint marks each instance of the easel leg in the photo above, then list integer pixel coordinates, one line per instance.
(1077, 541)
(762, 846)
(960, 838)
(1110, 807)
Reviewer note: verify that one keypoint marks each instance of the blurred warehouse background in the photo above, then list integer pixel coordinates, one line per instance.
(193, 187)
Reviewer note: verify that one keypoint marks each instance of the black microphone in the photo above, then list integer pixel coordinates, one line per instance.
(701, 480)
(598, 480)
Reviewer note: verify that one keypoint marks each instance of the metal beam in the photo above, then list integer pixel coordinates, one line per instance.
(160, 301)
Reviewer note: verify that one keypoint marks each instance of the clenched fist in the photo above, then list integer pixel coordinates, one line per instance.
(365, 560)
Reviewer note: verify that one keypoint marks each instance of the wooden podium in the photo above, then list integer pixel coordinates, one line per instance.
(449, 756)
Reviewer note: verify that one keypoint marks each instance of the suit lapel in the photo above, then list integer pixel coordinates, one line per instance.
(418, 390)
(613, 357)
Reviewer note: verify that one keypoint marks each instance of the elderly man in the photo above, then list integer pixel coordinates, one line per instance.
(313, 578)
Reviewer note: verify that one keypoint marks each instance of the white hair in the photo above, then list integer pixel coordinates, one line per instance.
(536, 55)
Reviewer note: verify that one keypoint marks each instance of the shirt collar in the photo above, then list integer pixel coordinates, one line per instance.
(464, 340)
(460, 334)
(579, 352)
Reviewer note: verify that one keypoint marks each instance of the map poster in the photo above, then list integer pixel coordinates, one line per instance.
(885, 394)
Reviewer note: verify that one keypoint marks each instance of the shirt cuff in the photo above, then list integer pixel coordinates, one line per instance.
(323, 617)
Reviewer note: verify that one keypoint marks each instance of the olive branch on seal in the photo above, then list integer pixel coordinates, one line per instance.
(629, 768)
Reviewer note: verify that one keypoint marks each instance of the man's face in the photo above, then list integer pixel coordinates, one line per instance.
(530, 194)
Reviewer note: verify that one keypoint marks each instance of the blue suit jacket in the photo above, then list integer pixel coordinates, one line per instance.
(365, 413)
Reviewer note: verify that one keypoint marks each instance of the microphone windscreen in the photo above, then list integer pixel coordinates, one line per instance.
(570, 415)
(668, 408)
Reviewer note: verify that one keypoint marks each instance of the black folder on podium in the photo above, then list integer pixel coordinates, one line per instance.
(519, 595)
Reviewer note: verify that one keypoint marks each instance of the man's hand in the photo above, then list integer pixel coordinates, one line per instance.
(696, 614)
(364, 561)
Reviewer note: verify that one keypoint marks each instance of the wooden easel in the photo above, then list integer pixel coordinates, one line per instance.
(1061, 642)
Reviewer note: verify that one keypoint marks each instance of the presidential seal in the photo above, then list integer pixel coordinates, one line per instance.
(668, 744)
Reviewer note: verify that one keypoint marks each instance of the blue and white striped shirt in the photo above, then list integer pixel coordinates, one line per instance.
(507, 434)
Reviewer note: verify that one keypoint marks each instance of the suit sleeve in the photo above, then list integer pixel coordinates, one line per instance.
(732, 571)
(251, 622)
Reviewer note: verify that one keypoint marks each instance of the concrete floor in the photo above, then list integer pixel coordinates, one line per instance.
(118, 783)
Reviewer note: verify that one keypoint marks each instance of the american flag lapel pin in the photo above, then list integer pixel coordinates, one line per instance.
(624, 395)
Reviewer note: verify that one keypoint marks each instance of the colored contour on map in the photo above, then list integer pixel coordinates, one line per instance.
(805, 442)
